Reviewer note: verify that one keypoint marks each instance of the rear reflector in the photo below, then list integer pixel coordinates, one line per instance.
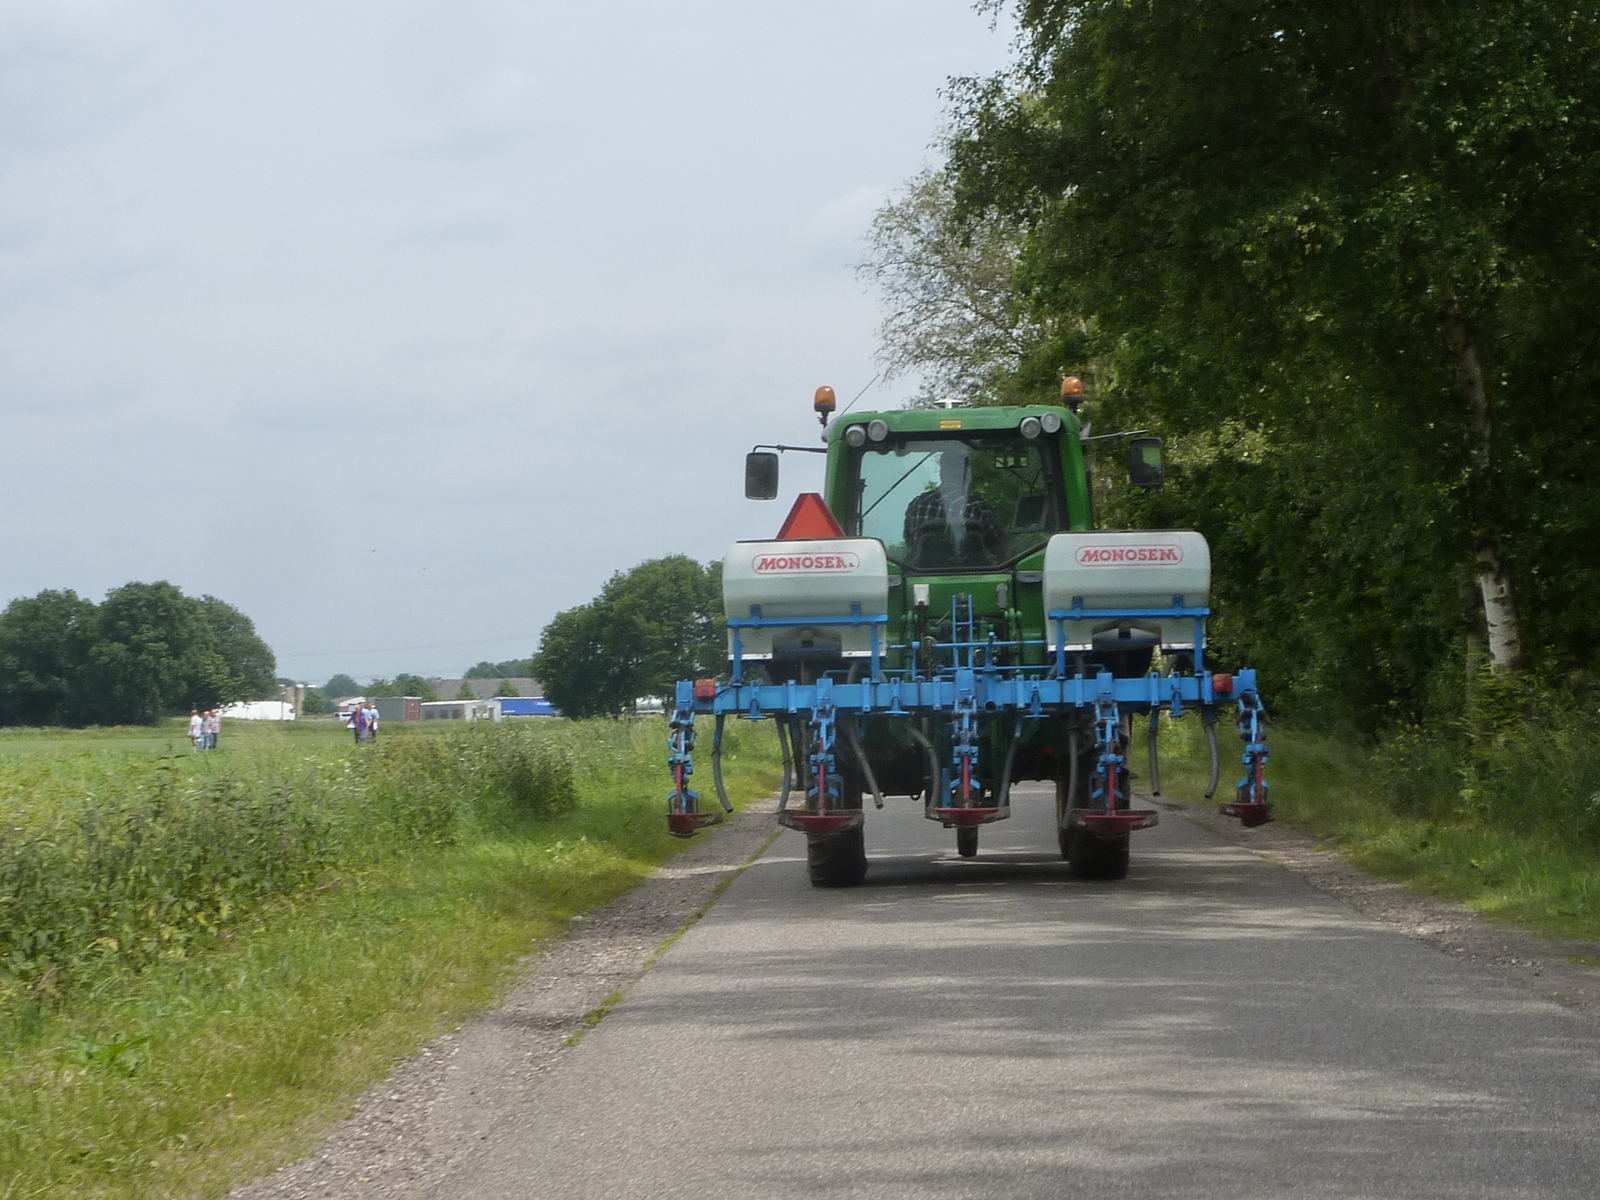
(1222, 685)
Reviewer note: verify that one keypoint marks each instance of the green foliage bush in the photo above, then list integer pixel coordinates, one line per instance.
(1525, 758)
(109, 863)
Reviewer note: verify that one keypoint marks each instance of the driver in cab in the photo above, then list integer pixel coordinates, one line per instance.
(951, 513)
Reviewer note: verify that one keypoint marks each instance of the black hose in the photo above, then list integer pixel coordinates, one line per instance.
(716, 764)
(1072, 766)
(1208, 717)
(1004, 797)
(1155, 765)
(848, 728)
(783, 744)
(933, 764)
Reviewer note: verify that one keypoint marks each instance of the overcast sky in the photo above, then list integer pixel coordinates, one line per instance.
(401, 326)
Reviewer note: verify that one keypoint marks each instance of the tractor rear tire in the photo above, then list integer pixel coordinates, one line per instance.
(967, 841)
(1091, 857)
(837, 859)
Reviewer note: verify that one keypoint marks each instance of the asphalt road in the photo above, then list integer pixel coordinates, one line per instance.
(1209, 1027)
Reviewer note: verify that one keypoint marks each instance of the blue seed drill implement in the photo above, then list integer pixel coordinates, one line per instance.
(966, 627)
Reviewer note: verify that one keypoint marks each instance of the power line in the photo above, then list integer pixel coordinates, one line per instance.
(520, 637)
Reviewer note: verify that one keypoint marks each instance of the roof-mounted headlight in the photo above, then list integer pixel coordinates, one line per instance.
(1030, 427)
(856, 435)
(1051, 422)
(878, 429)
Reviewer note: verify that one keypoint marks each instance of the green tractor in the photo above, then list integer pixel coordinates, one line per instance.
(945, 620)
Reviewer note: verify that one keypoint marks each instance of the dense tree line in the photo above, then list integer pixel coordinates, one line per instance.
(516, 668)
(1346, 258)
(648, 628)
(402, 684)
(144, 652)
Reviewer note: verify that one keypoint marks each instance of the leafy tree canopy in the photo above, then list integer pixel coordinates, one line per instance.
(1342, 257)
(402, 685)
(146, 651)
(648, 628)
(341, 685)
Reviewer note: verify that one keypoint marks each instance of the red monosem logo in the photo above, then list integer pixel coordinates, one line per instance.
(832, 563)
(1118, 556)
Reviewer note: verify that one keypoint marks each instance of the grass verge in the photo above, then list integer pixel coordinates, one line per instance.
(1529, 874)
(186, 1074)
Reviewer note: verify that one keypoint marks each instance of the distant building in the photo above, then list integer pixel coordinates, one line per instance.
(259, 710)
(294, 695)
(398, 708)
(484, 689)
(461, 710)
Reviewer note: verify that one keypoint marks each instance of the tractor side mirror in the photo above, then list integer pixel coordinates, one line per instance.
(1147, 466)
(761, 475)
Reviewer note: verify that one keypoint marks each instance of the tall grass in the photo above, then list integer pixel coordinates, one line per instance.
(1500, 810)
(201, 1057)
(110, 864)
(1525, 757)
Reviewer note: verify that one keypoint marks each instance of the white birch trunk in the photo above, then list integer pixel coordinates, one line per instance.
(1499, 613)
(1499, 607)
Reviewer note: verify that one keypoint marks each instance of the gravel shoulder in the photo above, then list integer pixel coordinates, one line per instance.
(409, 1132)
(1541, 965)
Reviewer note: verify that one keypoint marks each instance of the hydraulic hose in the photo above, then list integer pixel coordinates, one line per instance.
(1072, 766)
(1208, 718)
(848, 728)
(1004, 797)
(802, 756)
(716, 764)
(783, 744)
(933, 764)
(1155, 764)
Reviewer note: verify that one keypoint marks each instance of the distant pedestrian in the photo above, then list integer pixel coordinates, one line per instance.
(213, 727)
(358, 722)
(372, 721)
(196, 729)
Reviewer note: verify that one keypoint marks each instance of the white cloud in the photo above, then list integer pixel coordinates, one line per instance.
(530, 276)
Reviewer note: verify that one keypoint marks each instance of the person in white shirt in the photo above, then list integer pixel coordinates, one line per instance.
(196, 729)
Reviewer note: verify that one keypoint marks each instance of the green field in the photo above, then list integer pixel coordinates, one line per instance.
(205, 958)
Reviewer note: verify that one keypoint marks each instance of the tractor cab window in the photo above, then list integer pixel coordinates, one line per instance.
(947, 502)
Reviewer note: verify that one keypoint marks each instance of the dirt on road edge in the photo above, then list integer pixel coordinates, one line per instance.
(1538, 964)
(409, 1131)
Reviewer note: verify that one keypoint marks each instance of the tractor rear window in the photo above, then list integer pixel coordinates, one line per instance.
(957, 502)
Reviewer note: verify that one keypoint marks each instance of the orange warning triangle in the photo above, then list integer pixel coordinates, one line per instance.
(809, 518)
